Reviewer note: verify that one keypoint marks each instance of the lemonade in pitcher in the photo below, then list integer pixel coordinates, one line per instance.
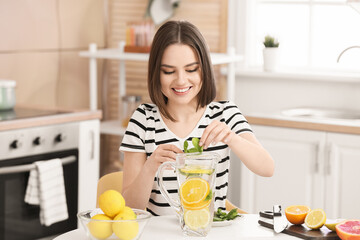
(196, 175)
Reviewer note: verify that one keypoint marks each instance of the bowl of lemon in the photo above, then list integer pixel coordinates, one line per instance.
(113, 220)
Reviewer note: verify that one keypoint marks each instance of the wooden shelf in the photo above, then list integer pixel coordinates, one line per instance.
(118, 54)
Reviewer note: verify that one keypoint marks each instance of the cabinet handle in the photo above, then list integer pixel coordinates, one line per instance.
(329, 159)
(320, 152)
(92, 137)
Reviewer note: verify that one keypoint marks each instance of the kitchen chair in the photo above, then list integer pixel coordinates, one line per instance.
(114, 181)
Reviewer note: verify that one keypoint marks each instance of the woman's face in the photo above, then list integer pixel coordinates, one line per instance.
(180, 74)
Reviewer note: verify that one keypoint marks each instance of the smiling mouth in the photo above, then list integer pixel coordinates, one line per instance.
(181, 90)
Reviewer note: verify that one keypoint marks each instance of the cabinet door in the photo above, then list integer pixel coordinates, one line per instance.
(89, 136)
(297, 176)
(343, 176)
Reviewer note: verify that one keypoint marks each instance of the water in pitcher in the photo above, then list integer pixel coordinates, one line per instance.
(196, 186)
(196, 181)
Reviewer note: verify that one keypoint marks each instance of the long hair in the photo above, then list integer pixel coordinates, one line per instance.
(183, 32)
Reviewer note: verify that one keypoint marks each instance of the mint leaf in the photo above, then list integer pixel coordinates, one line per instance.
(192, 150)
(209, 196)
(195, 142)
(196, 148)
(186, 144)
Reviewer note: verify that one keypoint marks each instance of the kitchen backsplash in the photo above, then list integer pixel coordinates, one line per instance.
(39, 49)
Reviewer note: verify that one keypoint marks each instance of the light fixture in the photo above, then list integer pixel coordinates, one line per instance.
(354, 4)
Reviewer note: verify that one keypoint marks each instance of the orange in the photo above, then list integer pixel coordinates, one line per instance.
(296, 214)
(194, 191)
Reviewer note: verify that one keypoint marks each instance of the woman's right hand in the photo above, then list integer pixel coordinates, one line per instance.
(163, 153)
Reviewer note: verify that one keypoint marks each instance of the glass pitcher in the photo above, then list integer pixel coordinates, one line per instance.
(196, 173)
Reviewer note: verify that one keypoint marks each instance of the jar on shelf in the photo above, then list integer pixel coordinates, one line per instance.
(128, 105)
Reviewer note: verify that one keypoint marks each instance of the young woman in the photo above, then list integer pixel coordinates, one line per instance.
(182, 88)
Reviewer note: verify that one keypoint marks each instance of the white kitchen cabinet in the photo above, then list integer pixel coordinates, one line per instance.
(315, 168)
(113, 126)
(89, 142)
(343, 175)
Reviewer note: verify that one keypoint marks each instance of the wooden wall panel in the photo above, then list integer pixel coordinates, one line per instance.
(210, 16)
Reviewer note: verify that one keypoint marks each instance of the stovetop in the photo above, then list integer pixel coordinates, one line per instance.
(20, 113)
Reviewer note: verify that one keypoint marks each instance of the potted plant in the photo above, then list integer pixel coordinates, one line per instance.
(270, 52)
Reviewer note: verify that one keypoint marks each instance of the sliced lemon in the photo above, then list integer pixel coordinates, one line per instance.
(196, 170)
(331, 223)
(315, 219)
(194, 190)
(196, 219)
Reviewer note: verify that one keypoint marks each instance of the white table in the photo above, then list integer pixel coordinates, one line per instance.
(167, 227)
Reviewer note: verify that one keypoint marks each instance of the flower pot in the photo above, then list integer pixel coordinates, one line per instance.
(271, 56)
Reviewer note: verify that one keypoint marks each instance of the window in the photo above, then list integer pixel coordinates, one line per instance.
(312, 33)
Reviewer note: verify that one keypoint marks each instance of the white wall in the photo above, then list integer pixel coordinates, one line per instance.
(271, 95)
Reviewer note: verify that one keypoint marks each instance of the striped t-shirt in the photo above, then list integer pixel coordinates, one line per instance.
(146, 131)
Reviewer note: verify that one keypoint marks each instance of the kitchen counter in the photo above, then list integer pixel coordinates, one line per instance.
(327, 125)
(167, 227)
(62, 116)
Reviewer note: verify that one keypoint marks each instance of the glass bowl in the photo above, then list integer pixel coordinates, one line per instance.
(113, 229)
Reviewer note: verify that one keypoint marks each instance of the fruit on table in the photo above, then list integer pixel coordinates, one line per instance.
(126, 214)
(315, 219)
(111, 203)
(296, 214)
(126, 230)
(100, 230)
(348, 230)
(196, 219)
(331, 223)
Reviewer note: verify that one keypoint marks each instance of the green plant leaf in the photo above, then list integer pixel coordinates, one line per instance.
(186, 145)
(209, 196)
(195, 142)
(270, 42)
(192, 150)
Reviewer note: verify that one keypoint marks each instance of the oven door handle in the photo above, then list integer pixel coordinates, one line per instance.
(29, 167)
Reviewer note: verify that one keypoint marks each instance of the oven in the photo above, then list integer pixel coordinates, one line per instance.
(19, 149)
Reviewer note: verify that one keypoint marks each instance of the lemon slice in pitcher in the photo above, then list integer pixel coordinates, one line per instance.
(194, 170)
(196, 219)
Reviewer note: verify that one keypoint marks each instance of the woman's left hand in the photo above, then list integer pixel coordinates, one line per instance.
(216, 132)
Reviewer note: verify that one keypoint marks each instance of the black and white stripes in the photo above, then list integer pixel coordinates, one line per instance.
(146, 131)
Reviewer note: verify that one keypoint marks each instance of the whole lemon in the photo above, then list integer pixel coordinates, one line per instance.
(126, 214)
(126, 230)
(111, 203)
(100, 230)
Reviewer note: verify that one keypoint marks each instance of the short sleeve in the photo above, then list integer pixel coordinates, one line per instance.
(134, 137)
(234, 118)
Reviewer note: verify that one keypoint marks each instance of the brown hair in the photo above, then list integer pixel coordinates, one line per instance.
(173, 32)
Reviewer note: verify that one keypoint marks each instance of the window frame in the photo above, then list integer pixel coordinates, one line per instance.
(243, 13)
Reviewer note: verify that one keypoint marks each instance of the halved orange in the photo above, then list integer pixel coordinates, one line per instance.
(296, 214)
(194, 191)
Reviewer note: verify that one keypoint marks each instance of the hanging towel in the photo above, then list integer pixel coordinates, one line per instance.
(46, 188)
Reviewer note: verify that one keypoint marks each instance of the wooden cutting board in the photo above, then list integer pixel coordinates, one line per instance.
(302, 231)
